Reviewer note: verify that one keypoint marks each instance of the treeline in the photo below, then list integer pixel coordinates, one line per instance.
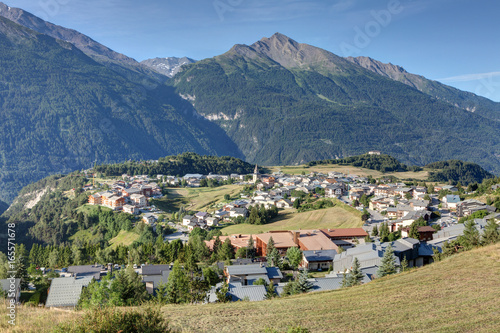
(455, 171)
(382, 163)
(179, 165)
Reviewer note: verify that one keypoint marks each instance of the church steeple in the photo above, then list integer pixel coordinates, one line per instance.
(255, 174)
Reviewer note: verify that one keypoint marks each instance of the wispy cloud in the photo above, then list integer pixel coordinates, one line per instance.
(470, 77)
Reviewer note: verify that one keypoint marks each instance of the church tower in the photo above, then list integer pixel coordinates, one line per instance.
(255, 174)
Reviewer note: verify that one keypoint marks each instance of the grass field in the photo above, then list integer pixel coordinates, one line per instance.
(340, 216)
(123, 238)
(347, 169)
(459, 294)
(202, 198)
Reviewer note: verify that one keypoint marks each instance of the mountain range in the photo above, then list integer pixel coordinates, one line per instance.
(167, 66)
(283, 102)
(67, 101)
(61, 111)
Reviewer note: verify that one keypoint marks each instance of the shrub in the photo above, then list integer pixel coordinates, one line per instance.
(105, 320)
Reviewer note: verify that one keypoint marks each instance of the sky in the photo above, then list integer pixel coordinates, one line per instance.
(453, 41)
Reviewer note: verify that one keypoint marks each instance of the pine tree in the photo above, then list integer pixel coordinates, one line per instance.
(270, 291)
(413, 233)
(226, 251)
(375, 231)
(177, 285)
(251, 248)
(384, 232)
(303, 285)
(388, 264)
(471, 234)
(404, 264)
(491, 234)
(345, 281)
(217, 245)
(356, 276)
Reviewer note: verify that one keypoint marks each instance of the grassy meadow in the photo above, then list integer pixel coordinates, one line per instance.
(340, 216)
(459, 294)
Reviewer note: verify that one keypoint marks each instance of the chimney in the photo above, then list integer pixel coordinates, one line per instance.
(296, 236)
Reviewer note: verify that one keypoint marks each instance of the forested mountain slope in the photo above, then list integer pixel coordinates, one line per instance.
(61, 111)
(283, 103)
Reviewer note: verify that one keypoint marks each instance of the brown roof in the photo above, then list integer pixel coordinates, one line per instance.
(282, 239)
(345, 232)
(311, 240)
(426, 229)
(237, 241)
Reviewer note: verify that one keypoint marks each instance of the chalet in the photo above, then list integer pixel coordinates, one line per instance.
(419, 204)
(312, 240)
(114, 202)
(212, 221)
(93, 271)
(154, 275)
(318, 260)
(392, 212)
(238, 292)
(345, 237)
(284, 203)
(95, 199)
(188, 219)
(237, 241)
(248, 274)
(139, 200)
(469, 206)
(425, 233)
(149, 219)
(131, 209)
(201, 216)
(235, 212)
(283, 240)
(65, 292)
(333, 191)
(451, 201)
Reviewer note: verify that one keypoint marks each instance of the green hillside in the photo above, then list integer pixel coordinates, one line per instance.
(285, 103)
(61, 111)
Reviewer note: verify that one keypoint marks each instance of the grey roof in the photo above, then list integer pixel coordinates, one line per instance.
(154, 269)
(85, 269)
(370, 272)
(251, 281)
(65, 292)
(246, 270)
(451, 198)
(425, 250)
(157, 279)
(274, 273)
(322, 255)
(323, 284)
(251, 293)
(190, 217)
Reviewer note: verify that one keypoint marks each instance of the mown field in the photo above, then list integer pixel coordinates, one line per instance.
(203, 198)
(340, 216)
(348, 169)
(459, 294)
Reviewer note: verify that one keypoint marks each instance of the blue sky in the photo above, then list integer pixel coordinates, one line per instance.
(453, 41)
